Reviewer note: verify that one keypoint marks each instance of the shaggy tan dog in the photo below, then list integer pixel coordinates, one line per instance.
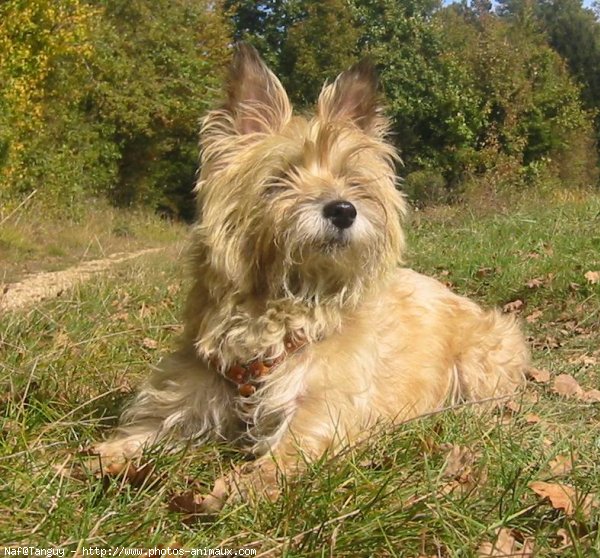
(301, 331)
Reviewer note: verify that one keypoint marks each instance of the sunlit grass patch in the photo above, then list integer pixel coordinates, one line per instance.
(437, 486)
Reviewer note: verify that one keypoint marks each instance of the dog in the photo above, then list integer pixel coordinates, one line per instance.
(302, 332)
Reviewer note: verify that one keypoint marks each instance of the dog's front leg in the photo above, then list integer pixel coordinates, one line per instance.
(321, 425)
(182, 400)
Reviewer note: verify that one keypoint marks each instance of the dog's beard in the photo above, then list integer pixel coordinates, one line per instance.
(322, 263)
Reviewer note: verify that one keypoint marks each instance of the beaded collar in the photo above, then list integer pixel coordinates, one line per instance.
(246, 376)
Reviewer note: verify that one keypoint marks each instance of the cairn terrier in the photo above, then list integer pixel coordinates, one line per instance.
(302, 333)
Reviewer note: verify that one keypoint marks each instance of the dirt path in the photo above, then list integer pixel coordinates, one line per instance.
(51, 284)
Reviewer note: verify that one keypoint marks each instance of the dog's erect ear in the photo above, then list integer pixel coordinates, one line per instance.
(353, 97)
(255, 97)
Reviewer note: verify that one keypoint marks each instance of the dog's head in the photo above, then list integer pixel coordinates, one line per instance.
(293, 205)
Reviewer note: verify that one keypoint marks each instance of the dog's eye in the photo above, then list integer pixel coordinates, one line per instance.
(274, 188)
(354, 182)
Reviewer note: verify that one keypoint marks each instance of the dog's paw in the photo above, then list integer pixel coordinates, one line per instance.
(115, 457)
(117, 450)
(254, 482)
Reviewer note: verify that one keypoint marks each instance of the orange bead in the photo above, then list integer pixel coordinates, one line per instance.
(237, 374)
(246, 390)
(258, 368)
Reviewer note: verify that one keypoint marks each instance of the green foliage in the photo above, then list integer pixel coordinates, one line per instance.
(46, 144)
(425, 188)
(319, 46)
(434, 108)
(574, 32)
(105, 96)
(304, 42)
(156, 69)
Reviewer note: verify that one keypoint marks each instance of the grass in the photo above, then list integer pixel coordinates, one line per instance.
(68, 365)
(32, 241)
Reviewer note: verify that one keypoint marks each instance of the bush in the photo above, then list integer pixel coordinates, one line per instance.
(425, 187)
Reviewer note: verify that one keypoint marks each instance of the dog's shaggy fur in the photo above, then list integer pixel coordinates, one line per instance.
(272, 265)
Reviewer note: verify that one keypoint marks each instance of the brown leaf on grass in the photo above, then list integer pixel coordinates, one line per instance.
(485, 272)
(149, 343)
(514, 407)
(189, 502)
(532, 418)
(567, 386)
(565, 538)
(592, 277)
(534, 316)
(137, 476)
(459, 463)
(513, 306)
(461, 472)
(584, 360)
(506, 545)
(197, 506)
(539, 375)
(546, 342)
(535, 283)
(564, 497)
(562, 464)
(561, 496)
(120, 316)
(591, 396)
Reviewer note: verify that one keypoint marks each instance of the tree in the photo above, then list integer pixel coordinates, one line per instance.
(44, 46)
(574, 32)
(304, 42)
(429, 91)
(158, 66)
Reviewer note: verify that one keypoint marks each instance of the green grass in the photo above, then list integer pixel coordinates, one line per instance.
(68, 365)
(32, 241)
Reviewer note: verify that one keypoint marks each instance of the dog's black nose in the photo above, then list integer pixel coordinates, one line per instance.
(341, 213)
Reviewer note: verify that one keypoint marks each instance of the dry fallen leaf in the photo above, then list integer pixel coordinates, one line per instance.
(535, 283)
(189, 502)
(459, 462)
(534, 316)
(548, 342)
(585, 360)
(506, 545)
(539, 375)
(561, 496)
(485, 271)
(565, 538)
(460, 471)
(514, 306)
(193, 504)
(566, 385)
(562, 464)
(149, 343)
(564, 497)
(592, 277)
(513, 406)
(532, 418)
(591, 396)
(137, 476)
